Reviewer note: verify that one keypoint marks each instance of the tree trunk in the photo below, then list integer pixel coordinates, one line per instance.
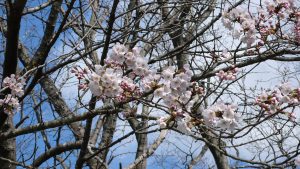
(107, 137)
(221, 160)
(14, 14)
(142, 139)
(7, 147)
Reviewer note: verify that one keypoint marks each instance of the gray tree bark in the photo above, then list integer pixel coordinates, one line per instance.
(142, 139)
(221, 159)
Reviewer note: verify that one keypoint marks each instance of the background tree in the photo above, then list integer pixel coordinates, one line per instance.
(149, 84)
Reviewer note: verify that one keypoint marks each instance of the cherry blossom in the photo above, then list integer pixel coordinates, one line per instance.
(106, 82)
(283, 95)
(258, 28)
(246, 22)
(11, 103)
(229, 75)
(225, 54)
(162, 122)
(15, 84)
(184, 124)
(221, 115)
(118, 53)
(176, 89)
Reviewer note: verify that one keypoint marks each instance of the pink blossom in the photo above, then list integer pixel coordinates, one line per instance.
(275, 100)
(221, 115)
(229, 75)
(11, 102)
(162, 122)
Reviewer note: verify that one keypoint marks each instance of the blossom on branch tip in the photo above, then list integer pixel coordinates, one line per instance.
(229, 75)
(282, 96)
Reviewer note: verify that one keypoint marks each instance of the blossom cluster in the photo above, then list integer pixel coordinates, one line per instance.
(81, 74)
(225, 54)
(246, 22)
(174, 86)
(175, 89)
(184, 123)
(257, 27)
(275, 100)
(126, 74)
(111, 80)
(131, 59)
(105, 82)
(221, 115)
(179, 95)
(228, 75)
(10, 102)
